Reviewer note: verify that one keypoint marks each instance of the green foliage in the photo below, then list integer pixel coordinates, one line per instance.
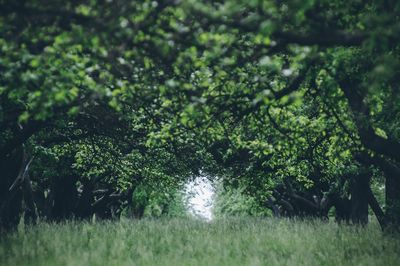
(150, 200)
(123, 95)
(230, 202)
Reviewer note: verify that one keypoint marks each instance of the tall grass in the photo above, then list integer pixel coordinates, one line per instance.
(233, 241)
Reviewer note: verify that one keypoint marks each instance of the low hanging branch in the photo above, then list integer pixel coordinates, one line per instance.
(327, 38)
(295, 196)
(22, 175)
(296, 82)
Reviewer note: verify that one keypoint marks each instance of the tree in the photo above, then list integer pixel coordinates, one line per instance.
(318, 74)
(295, 102)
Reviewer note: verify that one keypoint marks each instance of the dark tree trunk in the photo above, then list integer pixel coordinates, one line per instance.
(342, 208)
(376, 208)
(272, 205)
(64, 197)
(84, 207)
(31, 213)
(388, 147)
(391, 218)
(393, 201)
(359, 198)
(11, 199)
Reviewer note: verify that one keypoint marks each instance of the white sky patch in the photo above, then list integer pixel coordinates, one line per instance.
(200, 193)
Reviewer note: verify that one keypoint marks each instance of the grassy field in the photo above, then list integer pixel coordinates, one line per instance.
(232, 241)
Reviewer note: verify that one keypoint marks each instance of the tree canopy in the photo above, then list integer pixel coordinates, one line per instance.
(294, 102)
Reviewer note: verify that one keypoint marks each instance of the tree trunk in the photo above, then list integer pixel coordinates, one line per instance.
(376, 208)
(11, 168)
(392, 187)
(31, 213)
(65, 197)
(83, 208)
(393, 201)
(359, 198)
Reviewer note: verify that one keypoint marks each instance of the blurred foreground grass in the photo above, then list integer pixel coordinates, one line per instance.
(233, 241)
